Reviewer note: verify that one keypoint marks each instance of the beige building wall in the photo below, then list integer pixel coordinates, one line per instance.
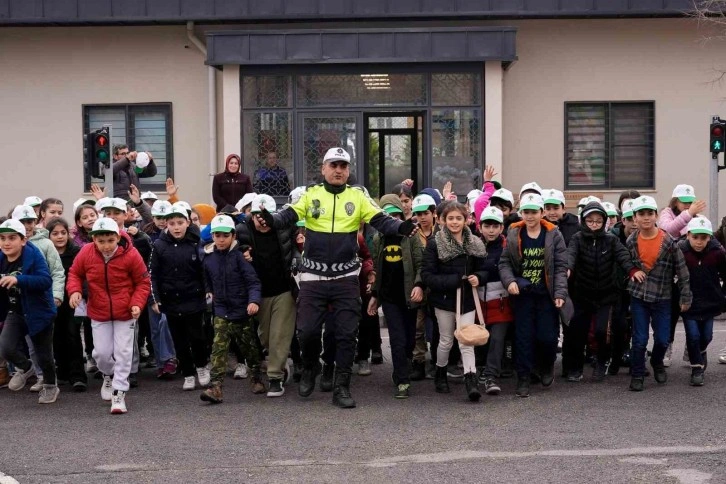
(661, 60)
(47, 74)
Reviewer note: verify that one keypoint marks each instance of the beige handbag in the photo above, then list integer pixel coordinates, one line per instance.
(473, 334)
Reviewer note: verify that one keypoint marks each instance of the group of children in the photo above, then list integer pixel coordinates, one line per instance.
(600, 278)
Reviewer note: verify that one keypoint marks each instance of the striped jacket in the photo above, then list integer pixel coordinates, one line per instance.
(669, 265)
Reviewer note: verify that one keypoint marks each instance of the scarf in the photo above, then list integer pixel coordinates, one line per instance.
(448, 248)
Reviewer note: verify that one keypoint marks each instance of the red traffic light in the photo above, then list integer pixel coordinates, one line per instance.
(101, 140)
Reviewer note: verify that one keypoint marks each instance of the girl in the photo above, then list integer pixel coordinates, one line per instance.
(67, 345)
(533, 268)
(85, 217)
(50, 208)
(404, 193)
(453, 263)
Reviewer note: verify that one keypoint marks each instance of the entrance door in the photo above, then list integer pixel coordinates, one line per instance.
(393, 150)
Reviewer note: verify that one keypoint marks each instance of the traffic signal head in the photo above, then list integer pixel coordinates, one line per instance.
(718, 137)
(98, 151)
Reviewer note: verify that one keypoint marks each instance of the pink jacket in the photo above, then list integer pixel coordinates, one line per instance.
(483, 201)
(674, 225)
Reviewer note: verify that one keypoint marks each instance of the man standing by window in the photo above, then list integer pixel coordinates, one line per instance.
(271, 179)
(126, 171)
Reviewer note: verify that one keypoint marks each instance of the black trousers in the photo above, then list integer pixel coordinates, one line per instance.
(369, 332)
(187, 331)
(12, 342)
(67, 345)
(609, 332)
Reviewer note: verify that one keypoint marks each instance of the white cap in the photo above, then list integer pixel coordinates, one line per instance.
(336, 154)
(178, 209)
(222, 223)
(473, 195)
(684, 193)
(83, 201)
(492, 213)
(422, 203)
(530, 186)
(553, 196)
(531, 201)
(24, 212)
(296, 194)
(504, 194)
(700, 225)
(160, 208)
(12, 225)
(149, 196)
(186, 206)
(583, 201)
(117, 203)
(244, 201)
(104, 225)
(33, 201)
(263, 201)
(644, 203)
(610, 208)
(142, 159)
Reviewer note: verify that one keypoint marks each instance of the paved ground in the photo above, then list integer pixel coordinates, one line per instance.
(568, 433)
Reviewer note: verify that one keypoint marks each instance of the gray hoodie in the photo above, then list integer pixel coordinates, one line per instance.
(46, 247)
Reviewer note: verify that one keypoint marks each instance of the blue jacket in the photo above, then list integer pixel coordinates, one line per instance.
(36, 293)
(233, 282)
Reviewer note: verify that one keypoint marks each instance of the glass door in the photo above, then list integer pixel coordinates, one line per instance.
(393, 151)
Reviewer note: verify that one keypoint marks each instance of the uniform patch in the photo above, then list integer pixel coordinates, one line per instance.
(349, 208)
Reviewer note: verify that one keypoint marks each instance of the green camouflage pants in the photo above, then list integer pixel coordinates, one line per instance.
(243, 334)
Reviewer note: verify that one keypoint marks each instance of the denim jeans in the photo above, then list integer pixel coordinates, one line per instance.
(657, 315)
(699, 334)
(161, 338)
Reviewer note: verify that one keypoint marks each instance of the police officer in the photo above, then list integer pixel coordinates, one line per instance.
(332, 212)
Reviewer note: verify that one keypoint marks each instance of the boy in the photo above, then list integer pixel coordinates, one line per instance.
(554, 211)
(656, 253)
(26, 306)
(159, 211)
(236, 293)
(118, 286)
(503, 199)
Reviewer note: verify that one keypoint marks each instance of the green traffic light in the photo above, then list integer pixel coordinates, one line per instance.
(102, 155)
(717, 145)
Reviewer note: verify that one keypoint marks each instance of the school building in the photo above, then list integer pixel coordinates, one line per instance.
(588, 96)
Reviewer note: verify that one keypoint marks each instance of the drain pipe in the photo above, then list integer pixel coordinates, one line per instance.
(212, 104)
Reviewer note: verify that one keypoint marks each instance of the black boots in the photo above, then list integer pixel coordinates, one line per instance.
(341, 390)
(307, 380)
(418, 370)
(441, 382)
(598, 373)
(326, 378)
(472, 387)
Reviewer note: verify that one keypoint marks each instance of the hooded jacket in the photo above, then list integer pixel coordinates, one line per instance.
(114, 287)
(569, 225)
(177, 276)
(247, 235)
(411, 254)
(36, 295)
(706, 268)
(228, 187)
(232, 281)
(124, 175)
(42, 242)
(595, 258)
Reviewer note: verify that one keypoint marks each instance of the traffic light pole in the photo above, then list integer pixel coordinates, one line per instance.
(108, 178)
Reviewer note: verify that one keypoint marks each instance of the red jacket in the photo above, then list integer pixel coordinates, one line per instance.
(113, 287)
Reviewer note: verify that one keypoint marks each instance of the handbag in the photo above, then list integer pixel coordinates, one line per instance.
(473, 334)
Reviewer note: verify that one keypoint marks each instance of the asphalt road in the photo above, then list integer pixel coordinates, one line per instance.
(567, 433)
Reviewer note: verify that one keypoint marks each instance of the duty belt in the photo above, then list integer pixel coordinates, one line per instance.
(323, 267)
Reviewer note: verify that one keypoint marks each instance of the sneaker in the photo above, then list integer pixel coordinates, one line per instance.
(402, 391)
(276, 389)
(574, 376)
(454, 371)
(37, 386)
(79, 386)
(204, 376)
(48, 394)
(133, 380)
(637, 384)
(598, 373)
(660, 375)
(522, 388)
(107, 388)
(118, 402)
(4, 376)
(232, 363)
(668, 355)
(491, 387)
(376, 358)
(257, 385)
(364, 368)
(213, 394)
(697, 377)
(20, 378)
(91, 366)
(430, 370)
(240, 372)
(189, 383)
(548, 376)
(722, 356)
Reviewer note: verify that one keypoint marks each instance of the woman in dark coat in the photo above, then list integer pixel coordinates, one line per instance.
(229, 186)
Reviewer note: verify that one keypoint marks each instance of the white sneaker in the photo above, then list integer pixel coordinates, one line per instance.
(118, 402)
(91, 366)
(204, 376)
(37, 386)
(364, 368)
(722, 356)
(232, 363)
(667, 357)
(240, 373)
(189, 383)
(19, 379)
(48, 394)
(107, 388)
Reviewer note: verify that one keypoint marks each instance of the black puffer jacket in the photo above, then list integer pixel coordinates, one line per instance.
(177, 277)
(245, 236)
(594, 258)
(569, 225)
(707, 269)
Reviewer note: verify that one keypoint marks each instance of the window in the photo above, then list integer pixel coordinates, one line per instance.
(143, 127)
(609, 145)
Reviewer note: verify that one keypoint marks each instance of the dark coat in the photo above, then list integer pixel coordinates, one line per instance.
(124, 175)
(246, 236)
(177, 276)
(569, 225)
(228, 187)
(707, 270)
(233, 282)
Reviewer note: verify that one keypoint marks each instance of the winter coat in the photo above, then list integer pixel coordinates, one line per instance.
(443, 272)
(36, 294)
(42, 242)
(246, 236)
(143, 244)
(232, 281)
(229, 187)
(152, 231)
(177, 276)
(569, 225)
(707, 269)
(674, 225)
(124, 175)
(114, 287)
(496, 310)
(67, 258)
(412, 256)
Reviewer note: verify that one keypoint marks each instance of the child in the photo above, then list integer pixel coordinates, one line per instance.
(33, 202)
(533, 268)
(50, 208)
(397, 262)
(612, 212)
(706, 262)
(656, 253)
(159, 211)
(554, 210)
(67, 345)
(596, 257)
(236, 294)
(483, 199)
(26, 306)
(177, 283)
(497, 311)
(118, 285)
(85, 216)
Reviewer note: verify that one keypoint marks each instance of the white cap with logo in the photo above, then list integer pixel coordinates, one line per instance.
(263, 201)
(493, 214)
(336, 154)
(531, 201)
(684, 193)
(33, 201)
(83, 201)
(422, 203)
(160, 208)
(531, 186)
(504, 194)
(244, 201)
(12, 225)
(24, 212)
(115, 203)
(179, 208)
(222, 223)
(553, 197)
(149, 196)
(700, 225)
(104, 225)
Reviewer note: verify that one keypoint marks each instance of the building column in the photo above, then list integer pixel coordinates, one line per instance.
(493, 115)
(231, 113)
